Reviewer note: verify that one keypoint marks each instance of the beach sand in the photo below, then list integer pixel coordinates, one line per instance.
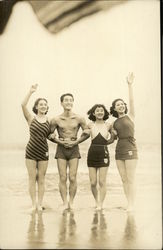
(82, 228)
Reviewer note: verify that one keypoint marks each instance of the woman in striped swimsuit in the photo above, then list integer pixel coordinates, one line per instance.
(126, 150)
(37, 148)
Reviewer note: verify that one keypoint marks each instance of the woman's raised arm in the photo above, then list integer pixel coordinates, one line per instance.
(130, 79)
(26, 113)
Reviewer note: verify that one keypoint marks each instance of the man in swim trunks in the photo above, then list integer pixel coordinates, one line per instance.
(67, 154)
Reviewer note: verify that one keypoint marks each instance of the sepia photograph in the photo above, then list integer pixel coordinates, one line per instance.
(80, 127)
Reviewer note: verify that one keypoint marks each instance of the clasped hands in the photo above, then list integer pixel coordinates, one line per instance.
(67, 143)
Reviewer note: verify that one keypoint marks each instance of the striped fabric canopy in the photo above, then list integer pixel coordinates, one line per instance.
(55, 15)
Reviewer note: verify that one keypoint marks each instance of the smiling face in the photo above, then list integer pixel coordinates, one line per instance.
(42, 107)
(99, 113)
(67, 102)
(120, 107)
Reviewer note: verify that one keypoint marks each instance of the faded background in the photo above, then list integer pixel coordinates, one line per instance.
(90, 59)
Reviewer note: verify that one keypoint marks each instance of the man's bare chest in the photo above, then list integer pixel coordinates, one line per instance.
(68, 123)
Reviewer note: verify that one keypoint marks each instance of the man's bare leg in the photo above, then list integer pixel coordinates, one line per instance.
(73, 166)
(62, 169)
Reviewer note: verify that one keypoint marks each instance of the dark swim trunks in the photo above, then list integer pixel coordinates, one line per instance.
(67, 153)
(98, 154)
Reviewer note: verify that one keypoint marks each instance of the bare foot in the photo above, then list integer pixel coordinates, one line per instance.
(130, 209)
(96, 204)
(40, 208)
(32, 209)
(71, 206)
(65, 206)
(98, 208)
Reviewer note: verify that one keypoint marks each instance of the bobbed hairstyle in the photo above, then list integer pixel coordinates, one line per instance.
(62, 96)
(113, 112)
(35, 110)
(91, 115)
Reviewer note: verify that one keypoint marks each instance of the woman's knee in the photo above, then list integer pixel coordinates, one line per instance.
(131, 180)
(41, 181)
(32, 182)
(72, 178)
(93, 183)
(124, 179)
(63, 179)
(102, 183)
(32, 177)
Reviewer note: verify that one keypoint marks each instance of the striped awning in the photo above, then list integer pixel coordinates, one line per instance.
(56, 15)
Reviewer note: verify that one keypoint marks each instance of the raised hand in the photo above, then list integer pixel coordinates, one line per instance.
(33, 88)
(130, 78)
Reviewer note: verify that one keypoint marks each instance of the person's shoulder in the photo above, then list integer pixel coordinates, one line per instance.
(48, 119)
(108, 125)
(79, 117)
(131, 117)
(90, 124)
(30, 119)
(113, 123)
(54, 120)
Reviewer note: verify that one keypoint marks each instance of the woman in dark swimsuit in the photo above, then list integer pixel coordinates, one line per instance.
(126, 150)
(37, 148)
(98, 155)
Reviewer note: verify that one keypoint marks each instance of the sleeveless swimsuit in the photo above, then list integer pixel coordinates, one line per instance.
(98, 154)
(126, 147)
(37, 147)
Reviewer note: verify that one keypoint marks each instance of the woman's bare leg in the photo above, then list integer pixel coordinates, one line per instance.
(93, 181)
(102, 184)
(32, 173)
(123, 174)
(42, 167)
(130, 169)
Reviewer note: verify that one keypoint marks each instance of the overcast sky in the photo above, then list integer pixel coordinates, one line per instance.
(90, 59)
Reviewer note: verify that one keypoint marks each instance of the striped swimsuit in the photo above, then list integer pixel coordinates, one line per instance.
(37, 147)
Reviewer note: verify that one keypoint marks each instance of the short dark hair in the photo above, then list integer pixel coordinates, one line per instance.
(36, 103)
(62, 96)
(113, 112)
(90, 112)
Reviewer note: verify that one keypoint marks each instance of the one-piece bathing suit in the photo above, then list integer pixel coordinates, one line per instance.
(98, 154)
(37, 147)
(126, 148)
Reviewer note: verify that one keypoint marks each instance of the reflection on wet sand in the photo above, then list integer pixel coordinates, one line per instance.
(129, 239)
(67, 229)
(99, 236)
(36, 229)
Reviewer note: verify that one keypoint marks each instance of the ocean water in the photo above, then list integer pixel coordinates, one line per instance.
(14, 174)
(82, 228)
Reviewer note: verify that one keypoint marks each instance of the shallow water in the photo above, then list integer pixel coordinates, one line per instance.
(83, 228)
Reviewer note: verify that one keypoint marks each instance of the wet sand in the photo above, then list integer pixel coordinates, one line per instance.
(82, 228)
